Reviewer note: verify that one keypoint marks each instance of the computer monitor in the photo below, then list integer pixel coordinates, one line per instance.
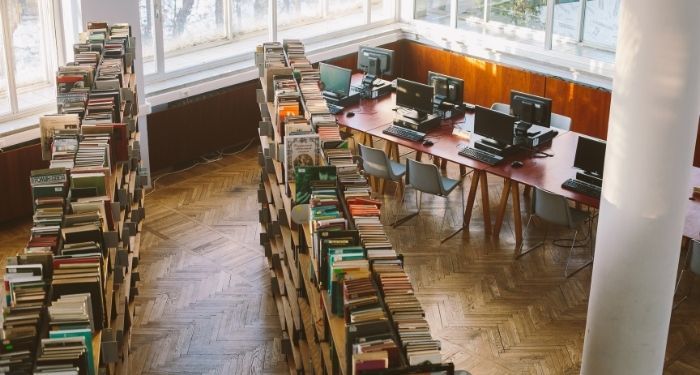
(449, 89)
(590, 156)
(375, 61)
(494, 125)
(335, 79)
(415, 96)
(530, 108)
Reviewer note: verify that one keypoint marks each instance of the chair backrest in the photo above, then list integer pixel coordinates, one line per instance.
(501, 107)
(560, 121)
(552, 208)
(424, 177)
(375, 162)
(694, 265)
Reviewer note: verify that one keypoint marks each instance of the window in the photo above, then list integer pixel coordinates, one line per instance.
(435, 11)
(576, 25)
(524, 13)
(600, 26)
(184, 35)
(28, 54)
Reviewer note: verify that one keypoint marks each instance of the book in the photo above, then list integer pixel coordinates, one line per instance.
(300, 151)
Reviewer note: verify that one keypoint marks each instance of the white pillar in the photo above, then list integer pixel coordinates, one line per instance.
(651, 137)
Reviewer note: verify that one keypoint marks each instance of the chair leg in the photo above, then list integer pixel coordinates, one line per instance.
(520, 252)
(568, 259)
(678, 283)
(409, 216)
(461, 228)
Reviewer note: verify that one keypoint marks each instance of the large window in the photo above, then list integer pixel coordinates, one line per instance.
(28, 54)
(179, 35)
(573, 23)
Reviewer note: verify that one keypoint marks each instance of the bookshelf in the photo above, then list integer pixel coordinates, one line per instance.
(315, 338)
(94, 135)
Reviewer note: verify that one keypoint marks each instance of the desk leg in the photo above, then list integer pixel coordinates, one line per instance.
(443, 164)
(517, 217)
(419, 155)
(436, 161)
(472, 196)
(485, 202)
(397, 156)
(462, 170)
(502, 207)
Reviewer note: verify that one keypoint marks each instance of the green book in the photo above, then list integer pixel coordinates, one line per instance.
(84, 333)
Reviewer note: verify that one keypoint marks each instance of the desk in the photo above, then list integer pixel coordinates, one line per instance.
(547, 173)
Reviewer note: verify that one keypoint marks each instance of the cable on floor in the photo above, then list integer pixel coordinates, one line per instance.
(220, 154)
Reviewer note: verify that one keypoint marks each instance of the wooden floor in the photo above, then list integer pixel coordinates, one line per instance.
(204, 304)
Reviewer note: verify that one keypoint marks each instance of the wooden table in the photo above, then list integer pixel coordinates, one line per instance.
(546, 173)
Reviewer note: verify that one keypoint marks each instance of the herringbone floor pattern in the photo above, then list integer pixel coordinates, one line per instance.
(204, 304)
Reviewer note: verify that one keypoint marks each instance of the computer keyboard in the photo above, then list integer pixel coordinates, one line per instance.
(334, 109)
(481, 155)
(582, 187)
(405, 133)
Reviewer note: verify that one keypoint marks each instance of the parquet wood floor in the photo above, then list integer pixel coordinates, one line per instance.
(204, 303)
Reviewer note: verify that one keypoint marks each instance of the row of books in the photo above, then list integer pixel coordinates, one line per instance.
(54, 289)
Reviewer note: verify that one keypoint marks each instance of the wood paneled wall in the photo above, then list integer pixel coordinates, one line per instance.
(193, 128)
(15, 193)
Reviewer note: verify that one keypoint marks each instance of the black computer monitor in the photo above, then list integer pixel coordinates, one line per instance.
(530, 108)
(449, 89)
(494, 125)
(414, 96)
(375, 61)
(335, 79)
(590, 156)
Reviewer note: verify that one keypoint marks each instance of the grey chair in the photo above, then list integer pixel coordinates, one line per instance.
(560, 122)
(501, 107)
(426, 178)
(691, 263)
(554, 209)
(376, 163)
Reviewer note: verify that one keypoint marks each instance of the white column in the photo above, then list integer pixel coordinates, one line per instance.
(651, 137)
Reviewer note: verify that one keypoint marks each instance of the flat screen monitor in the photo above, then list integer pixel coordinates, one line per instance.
(530, 108)
(450, 89)
(375, 61)
(494, 125)
(335, 79)
(414, 96)
(590, 156)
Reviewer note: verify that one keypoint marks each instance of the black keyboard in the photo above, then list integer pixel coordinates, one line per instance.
(405, 133)
(582, 187)
(334, 109)
(481, 155)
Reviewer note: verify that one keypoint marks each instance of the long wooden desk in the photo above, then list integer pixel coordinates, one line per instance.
(547, 173)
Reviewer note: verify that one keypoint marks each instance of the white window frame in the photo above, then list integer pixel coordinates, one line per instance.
(548, 31)
(54, 57)
(161, 74)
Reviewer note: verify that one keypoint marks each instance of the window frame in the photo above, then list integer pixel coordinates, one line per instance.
(549, 36)
(271, 32)
(53, 54)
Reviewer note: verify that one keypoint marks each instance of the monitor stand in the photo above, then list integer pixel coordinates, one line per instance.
(591, 178)
(412, 114)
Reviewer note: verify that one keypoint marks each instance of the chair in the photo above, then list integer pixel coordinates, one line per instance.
(692, 264)
(554, 209)
(560, 122)
(426, 178)
(501, 107)
(376, 163)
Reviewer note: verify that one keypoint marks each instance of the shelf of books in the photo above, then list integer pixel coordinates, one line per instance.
(346, 305)
(69, 293)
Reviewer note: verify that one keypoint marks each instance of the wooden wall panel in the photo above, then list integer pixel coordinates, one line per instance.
(187, 130)
(588, 107)
(15, 192)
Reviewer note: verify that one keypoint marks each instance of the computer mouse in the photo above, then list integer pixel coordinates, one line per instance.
(516, 164)
(427, 142)
(350, 114)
